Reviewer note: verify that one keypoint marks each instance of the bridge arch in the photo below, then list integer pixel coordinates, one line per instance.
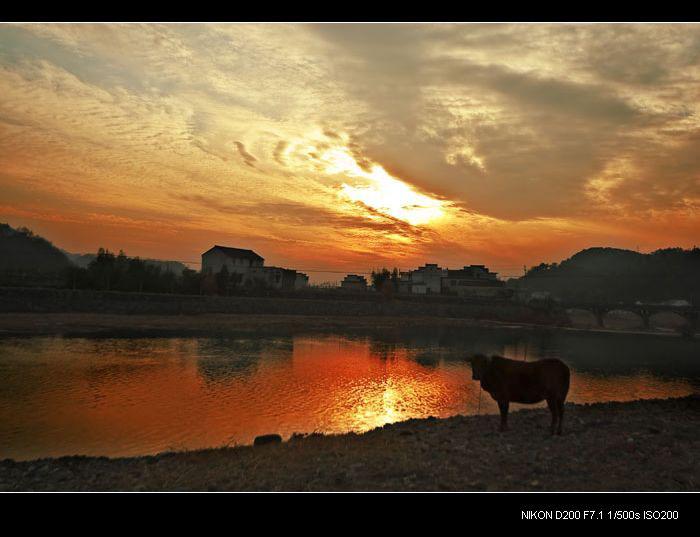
(667, 319)
(684, 320)
(585, 316)
(582, 317)
(640, 315)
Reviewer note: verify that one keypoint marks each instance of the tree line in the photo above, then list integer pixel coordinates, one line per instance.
(616, 275)
(110, 272)
(385, 280)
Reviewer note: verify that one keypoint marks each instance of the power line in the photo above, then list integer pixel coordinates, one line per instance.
(348, 271)
(331, 270)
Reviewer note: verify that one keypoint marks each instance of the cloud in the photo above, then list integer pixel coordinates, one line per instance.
(294, 214)
(572, 130)
(247, 157)
(512, 139)
(279, 152)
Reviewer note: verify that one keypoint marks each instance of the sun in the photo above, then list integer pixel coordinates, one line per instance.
(385, 194)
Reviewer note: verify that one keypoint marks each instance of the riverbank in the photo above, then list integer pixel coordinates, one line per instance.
(42, 301)
(207, 325)
(247, 325)
(647, 445)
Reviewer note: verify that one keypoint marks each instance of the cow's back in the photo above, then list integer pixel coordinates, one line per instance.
(532, 382)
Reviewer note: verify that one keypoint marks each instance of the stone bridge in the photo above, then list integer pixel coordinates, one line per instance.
(645, 311)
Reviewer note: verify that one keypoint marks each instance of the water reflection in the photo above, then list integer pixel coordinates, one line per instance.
(222, 360)
(135, 396)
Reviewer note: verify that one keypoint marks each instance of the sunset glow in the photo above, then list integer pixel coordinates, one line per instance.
(352, 146)
(386, 194)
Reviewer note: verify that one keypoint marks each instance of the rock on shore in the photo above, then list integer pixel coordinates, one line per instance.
(647, 445)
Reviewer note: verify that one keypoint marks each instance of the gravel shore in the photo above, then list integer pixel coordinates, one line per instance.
(646, 445)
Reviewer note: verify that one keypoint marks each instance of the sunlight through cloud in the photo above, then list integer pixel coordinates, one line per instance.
(383, 193)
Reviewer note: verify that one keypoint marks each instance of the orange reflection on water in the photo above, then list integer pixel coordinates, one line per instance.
(132, 397)
(592, 388)
(349, 388)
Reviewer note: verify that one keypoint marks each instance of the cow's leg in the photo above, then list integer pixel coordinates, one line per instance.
(561, 416)
(554, 409)
(503, 407)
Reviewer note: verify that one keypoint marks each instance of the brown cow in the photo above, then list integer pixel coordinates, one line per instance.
(523, 382)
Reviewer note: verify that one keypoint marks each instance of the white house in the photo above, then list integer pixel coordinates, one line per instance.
(427, 279)
(235, 259)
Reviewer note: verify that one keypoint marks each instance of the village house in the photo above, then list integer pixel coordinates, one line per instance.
(354, 282)
(474, 280)
(251, 268)
(234, 259)
(274, 277)
(301, 281)
(425, 280)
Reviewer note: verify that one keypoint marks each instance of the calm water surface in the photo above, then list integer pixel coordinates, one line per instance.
(121, 397)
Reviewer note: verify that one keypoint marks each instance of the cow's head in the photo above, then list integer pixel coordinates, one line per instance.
(479, 364)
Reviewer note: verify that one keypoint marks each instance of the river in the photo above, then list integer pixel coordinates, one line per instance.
(127, 397)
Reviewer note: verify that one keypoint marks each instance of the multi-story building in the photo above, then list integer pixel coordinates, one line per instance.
(354, 282)
(426, 280)
(250, 266)
(474, 280)
(234, 259)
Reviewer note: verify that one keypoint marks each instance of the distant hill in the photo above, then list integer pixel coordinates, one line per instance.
(615, 275)
(83, 260)
(22, 250)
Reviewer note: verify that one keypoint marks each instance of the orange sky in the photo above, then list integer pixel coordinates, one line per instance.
(348, 147)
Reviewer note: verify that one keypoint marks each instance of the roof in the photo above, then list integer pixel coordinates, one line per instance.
(276, 268)
(355, 278)
(236, 253)
(469, 272)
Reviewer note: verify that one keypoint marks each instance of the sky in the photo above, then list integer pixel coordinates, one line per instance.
(345, 147)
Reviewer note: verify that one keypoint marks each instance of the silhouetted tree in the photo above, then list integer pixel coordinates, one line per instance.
(192, 281)
(379, 277)
(208, 284)
(385, 281)
(101, 269)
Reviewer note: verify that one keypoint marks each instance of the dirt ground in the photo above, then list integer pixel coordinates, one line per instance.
(650, 445)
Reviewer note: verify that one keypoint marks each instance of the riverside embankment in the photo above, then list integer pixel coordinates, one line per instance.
(35, 300)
